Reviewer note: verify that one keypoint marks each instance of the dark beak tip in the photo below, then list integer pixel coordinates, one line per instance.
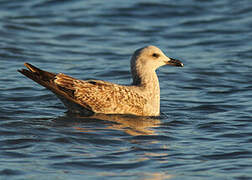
(176, 62)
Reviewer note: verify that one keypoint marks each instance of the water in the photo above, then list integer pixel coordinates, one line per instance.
(205, 129)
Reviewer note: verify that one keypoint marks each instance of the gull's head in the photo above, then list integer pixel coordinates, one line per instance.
(152, 57)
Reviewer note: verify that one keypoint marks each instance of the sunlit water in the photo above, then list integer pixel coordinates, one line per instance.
(205, 129)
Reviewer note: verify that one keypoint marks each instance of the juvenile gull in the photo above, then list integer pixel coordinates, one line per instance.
(141, 98)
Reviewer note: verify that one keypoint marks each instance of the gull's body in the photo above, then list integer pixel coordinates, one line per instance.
(141, 98)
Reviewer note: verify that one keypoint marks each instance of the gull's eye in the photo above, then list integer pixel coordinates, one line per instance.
(155, 55)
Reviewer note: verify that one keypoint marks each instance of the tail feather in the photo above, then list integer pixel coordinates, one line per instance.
(44, 78)
(47, 79)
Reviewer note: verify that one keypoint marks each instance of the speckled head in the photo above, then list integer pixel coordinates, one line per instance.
(145, 61)
(152, 57)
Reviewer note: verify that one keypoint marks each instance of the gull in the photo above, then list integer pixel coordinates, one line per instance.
(88, 97)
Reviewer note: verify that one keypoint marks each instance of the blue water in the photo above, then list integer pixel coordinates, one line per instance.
(205, 127)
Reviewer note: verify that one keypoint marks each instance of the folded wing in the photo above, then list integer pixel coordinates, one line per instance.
(91, 96)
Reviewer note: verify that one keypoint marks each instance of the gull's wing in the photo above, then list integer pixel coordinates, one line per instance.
(47, 79)
(92, 95)
(102, 96)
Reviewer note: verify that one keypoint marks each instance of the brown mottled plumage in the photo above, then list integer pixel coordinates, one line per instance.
(94, 96)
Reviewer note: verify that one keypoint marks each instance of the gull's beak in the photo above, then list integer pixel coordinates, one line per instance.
(174, 62)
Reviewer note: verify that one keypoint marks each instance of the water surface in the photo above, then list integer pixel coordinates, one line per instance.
(205, 127)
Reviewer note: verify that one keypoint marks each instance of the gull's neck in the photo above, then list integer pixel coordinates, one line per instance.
(147, 80)
(144, 75)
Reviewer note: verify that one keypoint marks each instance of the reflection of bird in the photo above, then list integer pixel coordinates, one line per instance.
(132, 125)
(94, 96)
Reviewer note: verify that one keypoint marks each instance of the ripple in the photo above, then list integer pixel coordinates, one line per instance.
(10, 172)
(231, 155)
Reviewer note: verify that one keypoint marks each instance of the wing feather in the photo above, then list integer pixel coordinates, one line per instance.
(102, 96)
(92, 95)
(105, 97)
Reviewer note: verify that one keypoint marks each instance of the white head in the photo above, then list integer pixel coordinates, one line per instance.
(152, 57)
(148, 59)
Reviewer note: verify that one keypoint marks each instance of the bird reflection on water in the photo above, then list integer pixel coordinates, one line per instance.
(132, 125)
